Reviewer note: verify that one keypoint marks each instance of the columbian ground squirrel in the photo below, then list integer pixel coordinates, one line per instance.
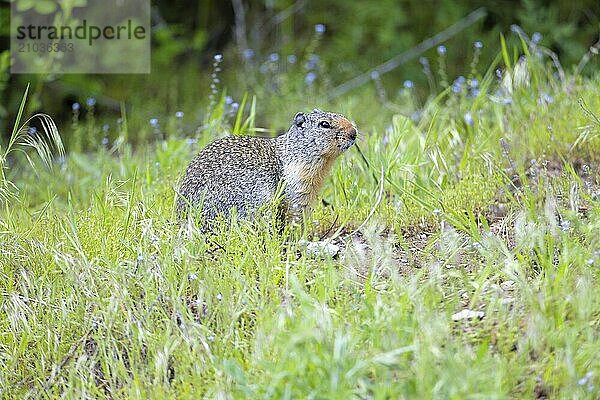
(245, 172)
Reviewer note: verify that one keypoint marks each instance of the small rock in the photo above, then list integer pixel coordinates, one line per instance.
(321, 249)
(467, 314)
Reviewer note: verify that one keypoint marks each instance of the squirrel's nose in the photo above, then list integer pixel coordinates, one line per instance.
(352, 133)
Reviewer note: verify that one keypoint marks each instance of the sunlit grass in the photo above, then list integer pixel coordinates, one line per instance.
(495, 212)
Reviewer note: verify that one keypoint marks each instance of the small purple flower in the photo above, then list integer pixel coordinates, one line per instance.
(76, 106)
(190, 141)
(292, 59)
(478, 45)
(320, 28)
(425, 64)
(234, 107)
(310, 78)
(154, 122)
(499, 73)
(565, 226)
(248, 54)
(312, 62)
(228, 100)
(441, 50)
(415, 116)
(468, 118)
(218, 57)
(536, 37)
(458, 84)
(473, 83)
(32, 131)
(408, 84)
(179, 114)
(374, 75)
(105, 141)
(274, 57)
(546, 98)
(91, 102)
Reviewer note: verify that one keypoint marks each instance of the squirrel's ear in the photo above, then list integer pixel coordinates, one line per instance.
(299, 120)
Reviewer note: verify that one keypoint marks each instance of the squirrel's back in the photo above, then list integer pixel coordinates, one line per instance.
(235, 171)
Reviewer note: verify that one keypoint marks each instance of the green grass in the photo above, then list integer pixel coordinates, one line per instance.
(102, 296)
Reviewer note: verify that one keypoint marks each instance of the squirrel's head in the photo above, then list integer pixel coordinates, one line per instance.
(324, 133)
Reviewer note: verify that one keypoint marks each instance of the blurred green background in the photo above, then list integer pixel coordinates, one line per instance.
(292, 55)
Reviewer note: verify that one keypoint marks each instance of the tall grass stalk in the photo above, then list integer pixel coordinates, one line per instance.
(46, 143)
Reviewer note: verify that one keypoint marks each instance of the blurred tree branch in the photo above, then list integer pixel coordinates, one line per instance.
(408, 55)
(280, 17)
(240, 24)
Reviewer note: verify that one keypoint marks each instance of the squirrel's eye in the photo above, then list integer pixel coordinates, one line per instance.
(324, 124)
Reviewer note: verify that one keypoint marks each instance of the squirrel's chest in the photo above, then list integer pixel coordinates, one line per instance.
(304, 180)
